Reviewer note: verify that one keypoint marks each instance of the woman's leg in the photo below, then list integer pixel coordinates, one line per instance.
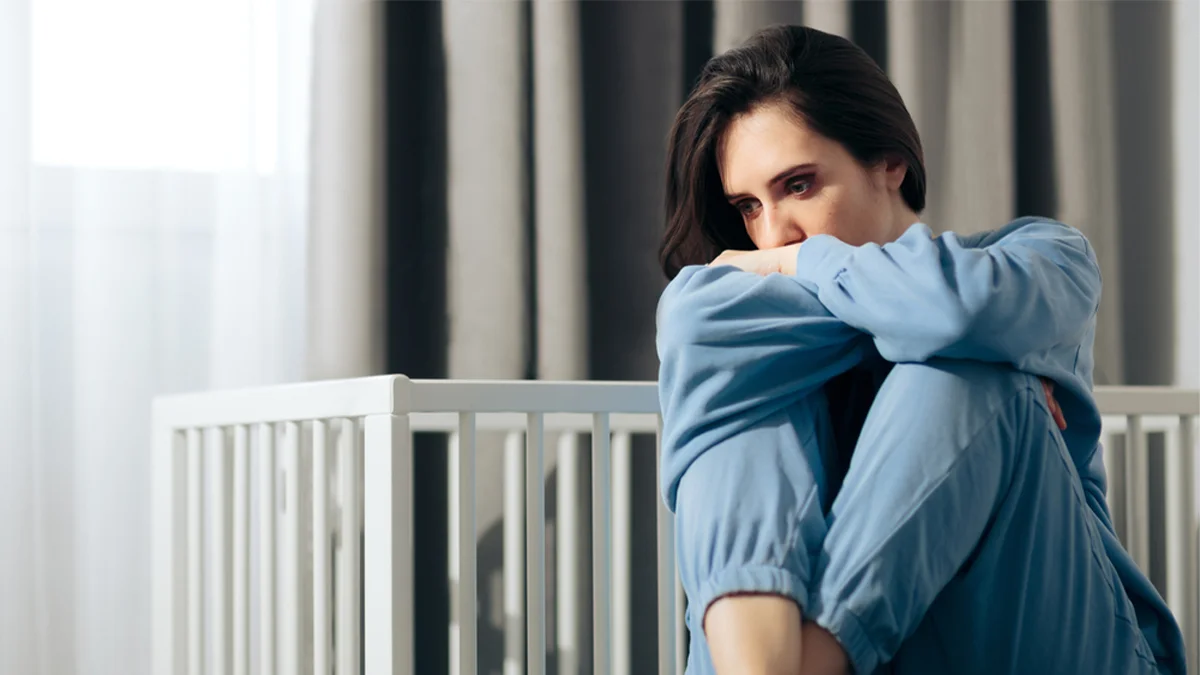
(749, 522)
(961, 541)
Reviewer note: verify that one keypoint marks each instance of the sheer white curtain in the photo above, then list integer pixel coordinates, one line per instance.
(154, 201)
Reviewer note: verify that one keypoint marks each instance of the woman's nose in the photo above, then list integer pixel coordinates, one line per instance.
(779, 229)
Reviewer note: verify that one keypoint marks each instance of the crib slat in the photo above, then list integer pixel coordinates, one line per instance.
(665, 525)
(535, 542)
(349, 556)
(195, 551)
(1188, 439)
(601, 545)
(1137, 521)
(1114, 471)
(289, 616)
(320, 550)
(467, 658)
(241, 551)
(681, 641)
(514, 554)
(219, 510)
(621, 551)
(453, 525)
(388, 537)
(266, 548)
(513, 568)
(1182, 564)
(568, 508)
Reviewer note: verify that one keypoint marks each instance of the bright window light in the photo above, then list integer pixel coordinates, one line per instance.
(164, 84)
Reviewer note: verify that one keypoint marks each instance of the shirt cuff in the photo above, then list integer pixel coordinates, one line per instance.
(821, 258)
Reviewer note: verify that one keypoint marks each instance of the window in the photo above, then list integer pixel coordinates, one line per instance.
(161, 84)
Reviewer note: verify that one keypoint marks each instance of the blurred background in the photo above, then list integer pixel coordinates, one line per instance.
(200, 195)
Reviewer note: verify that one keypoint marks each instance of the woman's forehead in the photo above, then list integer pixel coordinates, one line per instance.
(759, 144)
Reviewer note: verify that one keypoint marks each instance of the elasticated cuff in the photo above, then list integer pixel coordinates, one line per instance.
(849, 632)
(756, 579)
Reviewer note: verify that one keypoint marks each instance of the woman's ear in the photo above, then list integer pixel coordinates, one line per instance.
(896, 169)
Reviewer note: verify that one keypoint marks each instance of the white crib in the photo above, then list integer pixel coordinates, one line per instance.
(255, 491)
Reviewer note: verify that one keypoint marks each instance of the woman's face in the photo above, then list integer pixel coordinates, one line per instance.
(790, 183)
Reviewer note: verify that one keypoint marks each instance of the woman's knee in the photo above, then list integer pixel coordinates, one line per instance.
(943, 394)
(937, 457)
(948, 384)
(938, 410)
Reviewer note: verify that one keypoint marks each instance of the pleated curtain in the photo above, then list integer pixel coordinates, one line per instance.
(521, 161)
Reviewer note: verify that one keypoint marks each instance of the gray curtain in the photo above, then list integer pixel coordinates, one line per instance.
(525, 144)
(556, 115)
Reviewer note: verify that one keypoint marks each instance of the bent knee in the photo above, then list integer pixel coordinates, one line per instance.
(954, 387)
(945, 407)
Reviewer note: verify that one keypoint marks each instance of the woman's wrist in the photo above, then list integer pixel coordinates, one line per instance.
(787, 258)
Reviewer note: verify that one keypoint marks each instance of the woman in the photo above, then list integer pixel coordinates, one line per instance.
(968, 533)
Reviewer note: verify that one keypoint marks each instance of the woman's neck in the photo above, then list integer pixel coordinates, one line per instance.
(902, 219)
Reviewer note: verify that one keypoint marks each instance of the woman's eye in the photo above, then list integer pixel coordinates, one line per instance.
(799, 186)
(746, 208)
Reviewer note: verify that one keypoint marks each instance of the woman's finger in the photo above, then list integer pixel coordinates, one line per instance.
(1056, 410)
(1052, 403)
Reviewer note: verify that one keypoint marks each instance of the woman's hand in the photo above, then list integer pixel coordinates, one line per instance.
(780, 260)
(1055, 410)
(758, 262)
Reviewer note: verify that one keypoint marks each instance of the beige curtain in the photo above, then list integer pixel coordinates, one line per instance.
(1185, 133)
(562, 319)
(736, 20)
(346, 313)
(952, 64)
(1081, 68)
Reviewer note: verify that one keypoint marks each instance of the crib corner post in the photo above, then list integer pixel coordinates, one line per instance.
(168, 543)
(388, 542)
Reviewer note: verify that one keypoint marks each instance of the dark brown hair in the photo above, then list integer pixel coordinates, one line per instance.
(832, 85)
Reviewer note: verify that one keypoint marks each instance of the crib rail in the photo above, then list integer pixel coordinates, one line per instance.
(1131, 416)
(262, 497)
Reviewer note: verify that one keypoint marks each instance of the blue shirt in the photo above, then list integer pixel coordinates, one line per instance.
(735, 347)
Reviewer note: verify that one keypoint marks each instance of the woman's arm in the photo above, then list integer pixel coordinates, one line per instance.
(1003, 297)
(734, 348)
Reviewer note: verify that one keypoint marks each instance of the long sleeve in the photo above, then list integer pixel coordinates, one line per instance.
(1013, 295)
(734, 348)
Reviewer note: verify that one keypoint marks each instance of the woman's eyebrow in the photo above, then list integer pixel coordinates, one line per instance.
(778, 177)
